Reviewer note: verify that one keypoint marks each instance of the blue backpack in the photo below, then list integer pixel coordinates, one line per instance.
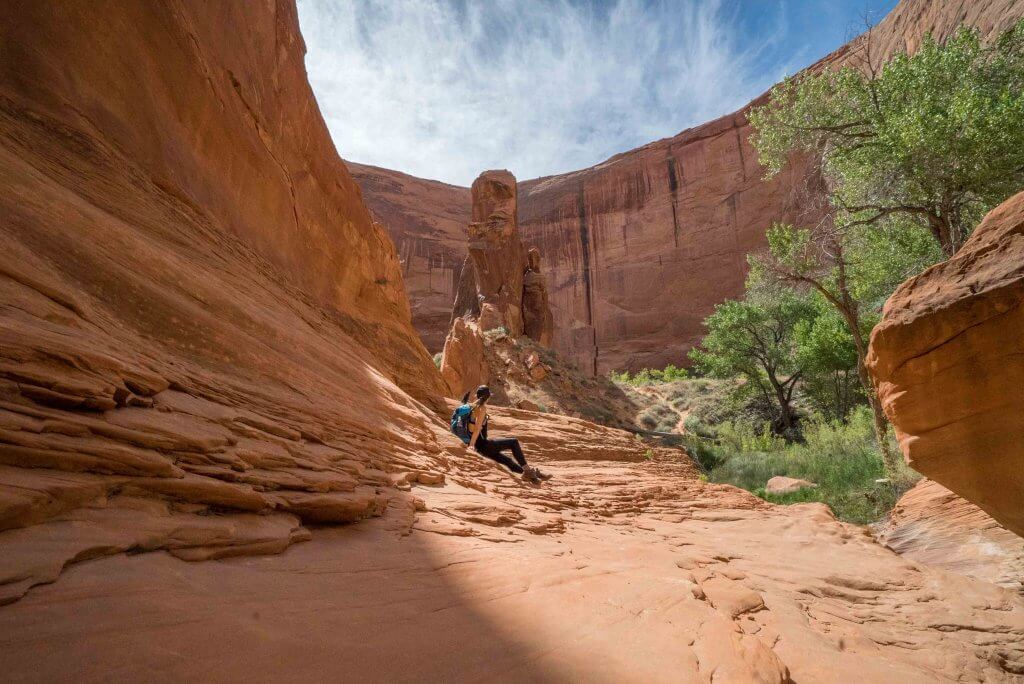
(460, 422)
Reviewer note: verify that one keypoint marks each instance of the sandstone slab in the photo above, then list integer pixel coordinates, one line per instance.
(948, 360)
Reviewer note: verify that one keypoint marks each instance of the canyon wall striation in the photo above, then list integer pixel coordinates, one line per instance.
(427, 221)
(641, 247)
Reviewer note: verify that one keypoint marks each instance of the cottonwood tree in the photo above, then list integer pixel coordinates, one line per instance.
(753, 338)
(828, 357)
(936, 138)
(850, 266)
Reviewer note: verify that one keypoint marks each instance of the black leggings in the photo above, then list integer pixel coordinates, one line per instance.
(492, 448)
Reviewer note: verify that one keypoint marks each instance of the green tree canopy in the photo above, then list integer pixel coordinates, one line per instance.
(754, 338)
(936, 138)
(826, 353)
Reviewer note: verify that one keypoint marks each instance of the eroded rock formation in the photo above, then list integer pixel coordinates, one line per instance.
(934, 526)
(204, 349)
(948, 360)
(501, 288)
(464, 364)
(641, 247)
(496, 253)
(538, 321)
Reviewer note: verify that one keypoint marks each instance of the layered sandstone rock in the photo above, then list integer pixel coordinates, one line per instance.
(641, 247)
(934, 526)
(201, 331)
(501, 289)
(464, 365)
(495, 251)
(170, 380)
(948, 361)
(624, 567)
(538, 321)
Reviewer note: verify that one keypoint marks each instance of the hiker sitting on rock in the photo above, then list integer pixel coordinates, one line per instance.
(469, 422)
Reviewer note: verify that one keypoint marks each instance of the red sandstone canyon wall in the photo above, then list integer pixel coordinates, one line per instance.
(427, 221)
(641, 247)
(226, 129)
(204, 340)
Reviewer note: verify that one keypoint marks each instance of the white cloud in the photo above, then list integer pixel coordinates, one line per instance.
(447, 89)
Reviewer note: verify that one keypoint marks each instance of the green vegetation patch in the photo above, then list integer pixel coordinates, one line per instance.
(841, 458)
(649, 376)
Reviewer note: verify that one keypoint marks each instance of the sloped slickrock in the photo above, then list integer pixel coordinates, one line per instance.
(624, 567)
(934, 526)
(640, 247)
(948, 360)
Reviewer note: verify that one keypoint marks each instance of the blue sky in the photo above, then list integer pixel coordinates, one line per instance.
(444, 89)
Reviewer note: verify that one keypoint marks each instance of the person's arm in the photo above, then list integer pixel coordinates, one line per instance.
(478, 416)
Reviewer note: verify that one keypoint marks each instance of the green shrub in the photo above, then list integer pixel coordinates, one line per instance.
(437, 359)
(841, 458)
(660, 418)
(702, 451)
(649, 376)
(695, 425)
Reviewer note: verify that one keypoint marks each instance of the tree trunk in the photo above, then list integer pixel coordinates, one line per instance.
(851, 314)
(944, 232)
(785, 410)
(889, 459)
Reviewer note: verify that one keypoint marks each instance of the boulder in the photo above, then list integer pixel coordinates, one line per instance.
(786, 485)
(527, 405)
(463, 364)
(948, 360)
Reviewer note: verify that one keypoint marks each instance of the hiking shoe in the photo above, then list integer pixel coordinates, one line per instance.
(540, 475)
(530, 475)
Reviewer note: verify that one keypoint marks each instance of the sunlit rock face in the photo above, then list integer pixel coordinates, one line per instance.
(935, 527)
(639, 249)
(204, 341)
(948, 360)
